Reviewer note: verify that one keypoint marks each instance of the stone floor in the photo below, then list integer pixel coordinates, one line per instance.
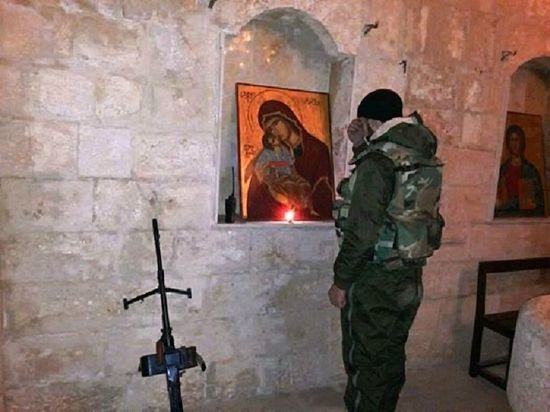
(442, 389)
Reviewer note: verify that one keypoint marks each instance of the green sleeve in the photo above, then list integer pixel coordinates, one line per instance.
(371, 196)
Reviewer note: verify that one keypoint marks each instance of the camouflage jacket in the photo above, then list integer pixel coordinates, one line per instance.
(377, 193)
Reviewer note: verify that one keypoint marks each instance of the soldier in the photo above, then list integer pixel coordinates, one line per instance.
(389, 224)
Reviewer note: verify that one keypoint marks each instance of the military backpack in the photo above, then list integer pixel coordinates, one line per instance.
(413, 226)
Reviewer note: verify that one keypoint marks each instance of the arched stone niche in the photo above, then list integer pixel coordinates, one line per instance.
(530, 94)
(284, 48)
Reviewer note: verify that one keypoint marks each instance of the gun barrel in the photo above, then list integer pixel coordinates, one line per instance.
(166, 328)
(156, 236)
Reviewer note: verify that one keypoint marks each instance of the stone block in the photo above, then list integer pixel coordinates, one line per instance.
(481, 92)
(431, 86)
(226, 377)
(457, 313)
(109, 8)
(508, 241)
(54, 257)
(177, 205)
(466, 204)
(109, 44)
(68, 357)
(61, 93)
(418, 347)
(445, 124)
(455, 233)
(231, 341)
(45, 205)
(274, 374)
(463, 166)
(387, 39)
(427, 318)
(293, 291)
(137, 259)
(122, 358)
(104, 152)
(538, 8)
(417, 18)
(301, 339)
(54, 149)
(62, 307)
(157, 155)
(377, 73)
(507, 285)
(485, 5)
(12, 90)
(331, 16)
(492, 304)
(140, 393)
(63, 33)
(449, 346)
(305, 369)
(184, 204)
(287, 248)
(117, 97)
(25, 33)
(447, 34)
(482, 26)
(175, 108)
(186, 56)
(138, 9)
(213, 252)
(64, 396)
(268, 294)
(171, 49)
(481, 131)
(451, 252)
(194, 309)
(455, 243)
(176, 9)
(123, 205)
(512, 300)
(144, 315)
(15, 156)
(449, 279)
(220, 292)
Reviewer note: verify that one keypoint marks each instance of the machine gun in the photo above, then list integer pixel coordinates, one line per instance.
(168, 359)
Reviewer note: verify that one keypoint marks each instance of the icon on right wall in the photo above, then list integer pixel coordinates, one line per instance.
(521, 188)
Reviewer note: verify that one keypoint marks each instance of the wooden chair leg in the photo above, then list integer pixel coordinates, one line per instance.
(475, 353)
(510, 347)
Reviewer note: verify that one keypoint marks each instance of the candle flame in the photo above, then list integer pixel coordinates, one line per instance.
(289, 216)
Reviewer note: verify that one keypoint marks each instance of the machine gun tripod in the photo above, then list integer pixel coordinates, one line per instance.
(168, 359)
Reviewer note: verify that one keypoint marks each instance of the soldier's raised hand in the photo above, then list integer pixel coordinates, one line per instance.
(357, 131)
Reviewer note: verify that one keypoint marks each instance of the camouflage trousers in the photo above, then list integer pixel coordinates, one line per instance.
(380, 310)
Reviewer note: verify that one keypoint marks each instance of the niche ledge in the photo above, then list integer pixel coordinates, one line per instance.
(275, 225)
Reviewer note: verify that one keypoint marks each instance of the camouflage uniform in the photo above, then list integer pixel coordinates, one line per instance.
(390, 224)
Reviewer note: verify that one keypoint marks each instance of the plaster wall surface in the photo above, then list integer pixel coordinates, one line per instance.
(110, 115)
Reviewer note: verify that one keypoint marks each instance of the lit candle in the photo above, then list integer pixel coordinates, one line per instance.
(289, 216)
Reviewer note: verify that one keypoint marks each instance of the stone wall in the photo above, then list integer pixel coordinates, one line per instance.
(110, 116)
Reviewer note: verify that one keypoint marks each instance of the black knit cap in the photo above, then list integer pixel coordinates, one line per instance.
(381, 104)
